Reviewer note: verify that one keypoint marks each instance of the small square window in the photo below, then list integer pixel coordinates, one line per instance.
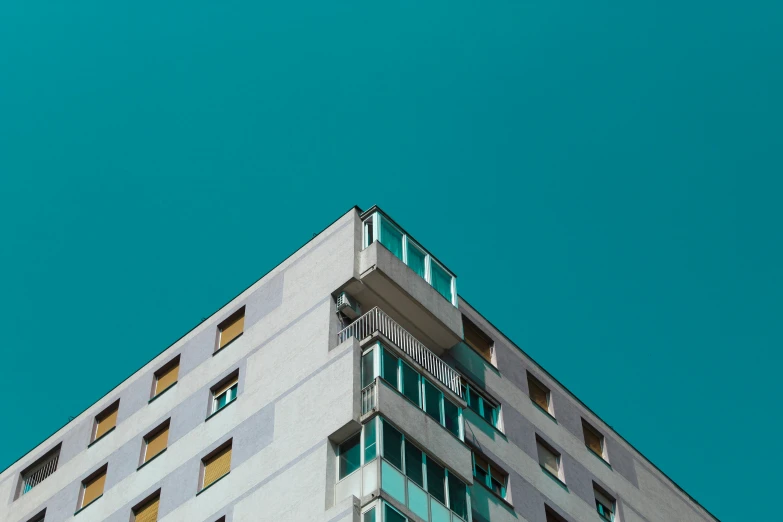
(224, 393)
(216, 465)
(604, 503)
(147, 511)
(155, 442)
(539, 394)
(478, 340)
(594, 440)
(105, 422)
(166, 377)
(549, 459)
(92, 488)
(231, 328)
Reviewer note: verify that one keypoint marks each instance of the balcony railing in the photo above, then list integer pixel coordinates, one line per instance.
(369, 397)
(40, 472)
(377, 321)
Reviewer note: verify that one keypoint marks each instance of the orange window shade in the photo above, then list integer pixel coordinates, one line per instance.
(93, 488)
(481, 462)
(166, 378)
(476, 339)
(148, 512)
(593, 440)
(539, 394)
(105, 422)
(498, 475)
(217, 466)
(157, 443)
(232, 328)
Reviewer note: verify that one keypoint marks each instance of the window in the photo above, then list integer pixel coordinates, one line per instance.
(166, 377)
(350, 456)
(539, 393)
(39, 517)
(477, 340)
(92, 488)
(390, 368)
(216, 465)
(369, 515)
(417, 259)
(489, 475)
(105, 421)
(231, 328)
(39, 471)
(368, 367)
(414, 464)
(225, 393)
(593, 440)
(392, 515)
(392, 445)
(391, 238)
(370, 440)
(410, 384)
(451, 416)
(148, 510)
(486, 408)
(549, 459)
(155, 442)
(551, 516)
(604, 504)
(441, 280)
(433, 399)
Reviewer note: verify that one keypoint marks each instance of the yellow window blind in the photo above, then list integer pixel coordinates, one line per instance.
(148, 512)
(217, 466)
(156, 443)
(166, 378)
(476, 339)
(538, 393)
(231, 328)
(93, 488)
(592, 439)
(105, 421)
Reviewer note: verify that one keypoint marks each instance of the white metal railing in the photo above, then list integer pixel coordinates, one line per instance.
(40, 472)
(377, 321)
(370, 397)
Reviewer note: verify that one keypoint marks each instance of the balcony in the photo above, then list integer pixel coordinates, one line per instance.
(376, 321)
(39, 471)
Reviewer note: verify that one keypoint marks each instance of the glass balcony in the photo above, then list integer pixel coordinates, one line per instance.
(379, 227)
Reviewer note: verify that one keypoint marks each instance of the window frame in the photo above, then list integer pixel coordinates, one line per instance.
(468, 390)
(587, 427)
(102, 471)
(144, 503)
(360, 445)
(467, 323)
(165, 425)
(535, 381)
(229, 444)
(113, 408)
(487, 483)
(232, 318)
(224, 386)
(612, 508)
(164, 370)
(560, 475)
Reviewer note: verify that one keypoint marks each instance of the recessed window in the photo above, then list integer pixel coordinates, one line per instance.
(549, 459)
(92, 488)
(594, 440)
(105, 421)
(148, 510)
(231, 328)
(155, 442)
(216, 465)
(166, 377)
(392, 515)
(604, 504)
(551, 516)
(349, 456)
(39, 471)
(485, 407)
(224, 393)
(539, 394)
(490, 475)
(369, 515)
(39, 517)
(478, 340)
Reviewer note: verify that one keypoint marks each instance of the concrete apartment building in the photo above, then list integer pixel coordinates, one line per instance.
(349, 384)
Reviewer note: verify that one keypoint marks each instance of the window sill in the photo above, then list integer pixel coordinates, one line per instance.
(232, 341)
(88, 505)
(170, 386)
(555, 478)
(161, 452)
(492, 491)
(98, 440)
(599, 457)
(218, 480)
(221, 409)
(542, 410)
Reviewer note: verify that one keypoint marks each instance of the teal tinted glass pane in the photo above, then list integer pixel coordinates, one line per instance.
(432, 397)
(392, 515)
(368, 367)
(436, 476)
(489, 413)
(369, 516)
(392, 445)
(221, 400)
(414, 465)
(416, 259)
(441, 280)
(393, 482)
(389, 368)
(391, 238)
(417, 501)
(233, 392)
(440, 513)
(350, 456)
(451, 414)
(410, 384)
(370, 440)
(458, 494)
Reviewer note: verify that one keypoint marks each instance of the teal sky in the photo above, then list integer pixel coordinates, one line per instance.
(605, 179)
